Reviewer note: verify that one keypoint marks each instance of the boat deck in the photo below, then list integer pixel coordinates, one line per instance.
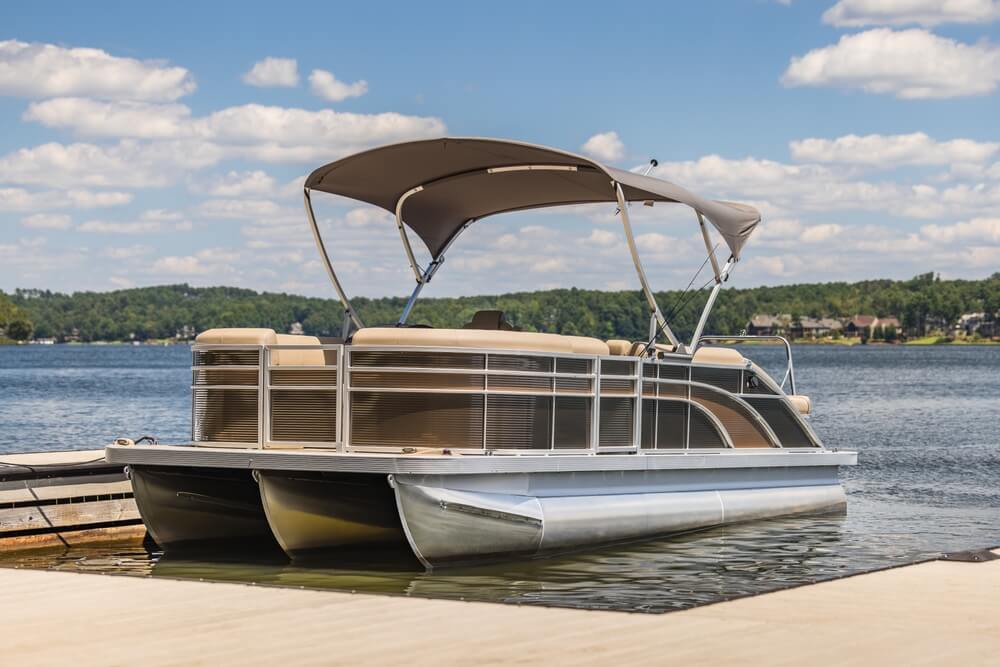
(433, 462)
(930, 613)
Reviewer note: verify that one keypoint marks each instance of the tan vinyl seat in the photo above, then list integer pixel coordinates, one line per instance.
(237, 337)
(801, 402)
(248, 336)
(718, 356)
(300, 357)
(618, 347)
(481, 339)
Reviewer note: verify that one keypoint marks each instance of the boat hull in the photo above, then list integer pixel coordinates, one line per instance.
(313, 514)
(445, 525)
(453, 509)
(189, 508)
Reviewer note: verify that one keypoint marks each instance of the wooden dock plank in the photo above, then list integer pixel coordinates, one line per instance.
(932, 613)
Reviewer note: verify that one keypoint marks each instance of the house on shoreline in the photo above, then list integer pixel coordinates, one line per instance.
(859, 326)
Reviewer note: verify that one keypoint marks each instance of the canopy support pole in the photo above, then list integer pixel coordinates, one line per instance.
(721, 277)
(429, 273)
(348, 308)
(402, 232)
(654, 308)
(708, 246)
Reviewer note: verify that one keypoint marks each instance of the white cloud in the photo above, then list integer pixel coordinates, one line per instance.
(857, 13)
(280, 72)
(812, 187)
(127, 252)
(279, 134)
(161, 215)
(47, 70)
(910, 64)
(19, 199)
(605, 146)
(892, 150)
(183, 266)
(238, 184)
(111, 119)
(324, 84)
(977, 229)
(367, 216)
(249, 132)
(242, 209)
(602, 237)
(47, 221)
(820, 233)
(137, 227)
(125, 164)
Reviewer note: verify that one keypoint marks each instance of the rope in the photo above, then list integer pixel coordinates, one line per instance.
(675, 308)
(43, 466)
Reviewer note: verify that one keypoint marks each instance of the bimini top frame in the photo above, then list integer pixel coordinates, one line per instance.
(438, 187)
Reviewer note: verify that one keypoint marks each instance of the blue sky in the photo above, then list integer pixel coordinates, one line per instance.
(146, 144)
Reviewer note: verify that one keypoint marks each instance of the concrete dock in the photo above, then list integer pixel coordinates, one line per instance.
(931, 613)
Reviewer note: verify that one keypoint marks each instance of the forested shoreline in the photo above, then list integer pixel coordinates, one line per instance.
(923, 304)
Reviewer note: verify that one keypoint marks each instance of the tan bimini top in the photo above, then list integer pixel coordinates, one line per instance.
(465, 179)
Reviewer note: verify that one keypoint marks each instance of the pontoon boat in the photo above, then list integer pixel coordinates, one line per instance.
(484, 441)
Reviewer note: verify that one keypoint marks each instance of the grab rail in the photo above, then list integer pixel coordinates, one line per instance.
(789, 371)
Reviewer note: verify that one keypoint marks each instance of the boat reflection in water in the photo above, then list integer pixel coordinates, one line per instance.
(654, 576)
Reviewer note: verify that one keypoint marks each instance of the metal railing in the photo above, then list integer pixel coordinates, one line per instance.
(789, 375)
(395, 398)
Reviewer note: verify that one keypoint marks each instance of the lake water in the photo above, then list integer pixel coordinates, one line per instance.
(925, 421)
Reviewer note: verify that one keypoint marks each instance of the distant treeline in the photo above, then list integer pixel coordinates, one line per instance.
(923, 303)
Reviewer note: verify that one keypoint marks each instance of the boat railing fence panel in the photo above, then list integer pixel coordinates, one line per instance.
(269, 396)
(394, 398)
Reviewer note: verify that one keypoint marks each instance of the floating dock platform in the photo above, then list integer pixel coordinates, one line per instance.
(64, 498)
(933, 613)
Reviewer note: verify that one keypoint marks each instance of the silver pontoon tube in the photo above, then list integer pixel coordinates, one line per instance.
(650, 299)
(348, 308)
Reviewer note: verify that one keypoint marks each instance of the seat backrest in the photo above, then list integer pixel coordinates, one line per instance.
(490, 320)
(485, 319)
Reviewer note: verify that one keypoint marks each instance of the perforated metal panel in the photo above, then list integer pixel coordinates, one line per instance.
(617, 386)
(224, 376)
(782, 421)
(617, 367)
(304, 416)
(416, 380)
(510, 362)
(225, 415)
(674, 372)
(225, 357)
(520, 383)
(736, 419)
(647, 435)
(410, 359)
(616, 422)
(319, 376)
(723, 378)
(576, 385)
(518, 422)
(671, 424)
(572, 423)
(424, 420)
(703, 434)
(578, 366)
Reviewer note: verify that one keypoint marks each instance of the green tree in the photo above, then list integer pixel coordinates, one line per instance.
(19, 329)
